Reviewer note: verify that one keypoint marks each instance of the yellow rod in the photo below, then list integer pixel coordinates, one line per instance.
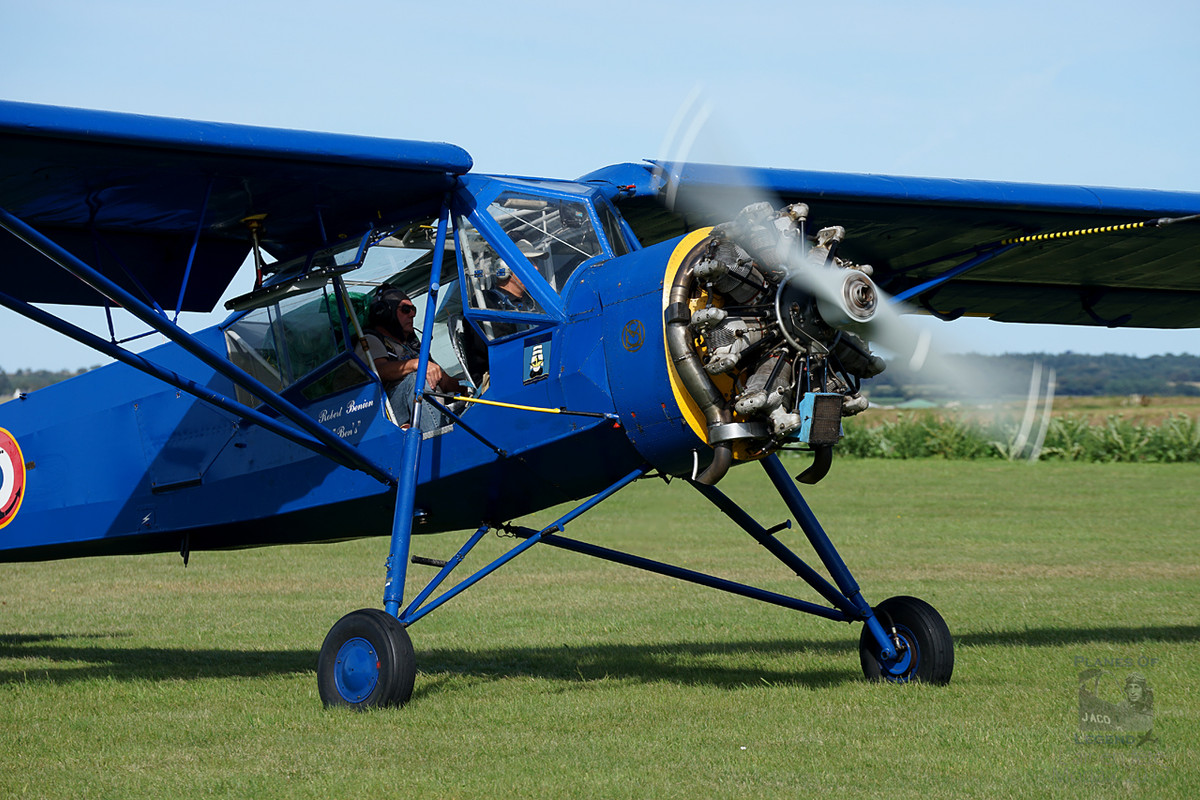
(507, 405)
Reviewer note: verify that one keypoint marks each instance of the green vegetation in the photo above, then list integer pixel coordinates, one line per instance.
(1079, 436)
(564, 677)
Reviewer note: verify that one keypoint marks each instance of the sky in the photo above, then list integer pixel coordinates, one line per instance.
(1093, 93)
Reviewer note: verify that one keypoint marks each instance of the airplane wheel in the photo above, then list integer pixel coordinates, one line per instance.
(366, 662)
(928, 654)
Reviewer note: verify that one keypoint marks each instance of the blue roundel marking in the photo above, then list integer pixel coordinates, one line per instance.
(357, 670)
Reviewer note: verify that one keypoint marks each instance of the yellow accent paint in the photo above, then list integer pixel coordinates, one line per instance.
(724, 383)
(1043, 237)
(687, 406)
(508, 405)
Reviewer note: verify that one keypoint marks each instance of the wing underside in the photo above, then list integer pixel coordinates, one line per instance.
(147, 200)
(1104, 265)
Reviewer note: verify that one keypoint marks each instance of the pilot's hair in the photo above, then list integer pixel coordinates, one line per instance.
(382, 313)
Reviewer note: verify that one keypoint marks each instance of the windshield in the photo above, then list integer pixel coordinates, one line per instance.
(287, 341)
(557, 236)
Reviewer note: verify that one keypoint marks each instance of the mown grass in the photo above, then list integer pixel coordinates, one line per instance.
(563, 677)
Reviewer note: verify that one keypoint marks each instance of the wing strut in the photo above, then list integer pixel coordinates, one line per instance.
(346, 454)
(986, 252)
(165, 375)
(406, 483)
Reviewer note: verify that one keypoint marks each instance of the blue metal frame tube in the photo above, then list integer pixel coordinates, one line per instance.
(825, 550)
(692, 576)
(777, 548)
(133, 305)
(406, 484)
(402, 521)
(411, 615)
(446, 570)
(950, 274)
(167, 376)
(816, 534)
(187, 271)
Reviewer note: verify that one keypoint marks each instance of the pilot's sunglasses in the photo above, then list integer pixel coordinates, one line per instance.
(408, 308)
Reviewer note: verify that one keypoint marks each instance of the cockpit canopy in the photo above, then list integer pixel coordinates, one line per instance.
(504, 273)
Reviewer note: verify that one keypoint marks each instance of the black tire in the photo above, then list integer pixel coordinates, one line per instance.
(929, 648)
(366, 661)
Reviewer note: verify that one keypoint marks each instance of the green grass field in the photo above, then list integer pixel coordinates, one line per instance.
(564, 677)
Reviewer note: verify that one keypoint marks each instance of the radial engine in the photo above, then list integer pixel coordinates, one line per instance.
(766, 327)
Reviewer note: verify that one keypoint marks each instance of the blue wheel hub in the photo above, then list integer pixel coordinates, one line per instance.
(357, 670)
(905, 664)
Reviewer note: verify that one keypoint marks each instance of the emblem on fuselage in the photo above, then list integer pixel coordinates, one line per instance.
(12, 477)
(633, 335)
(537, 357)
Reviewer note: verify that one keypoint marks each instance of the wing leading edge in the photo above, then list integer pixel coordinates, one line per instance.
(917, 231)
(139, 197)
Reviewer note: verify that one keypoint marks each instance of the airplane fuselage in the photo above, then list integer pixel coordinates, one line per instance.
(118, 462)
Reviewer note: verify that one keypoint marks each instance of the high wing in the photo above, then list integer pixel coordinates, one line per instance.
(946, 245)
(150, 200)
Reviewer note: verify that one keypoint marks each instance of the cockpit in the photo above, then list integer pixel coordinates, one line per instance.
(506, 275)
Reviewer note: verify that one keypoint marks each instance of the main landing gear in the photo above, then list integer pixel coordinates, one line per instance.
(366, 662)
(922, 643)
(367, 658)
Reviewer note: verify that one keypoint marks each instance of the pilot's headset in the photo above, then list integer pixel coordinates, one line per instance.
(382, 313)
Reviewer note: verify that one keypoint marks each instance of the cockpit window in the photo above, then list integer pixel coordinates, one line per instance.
(284, 343)
(612, 229)
(404, 260)
(555, 235)
(299, 339)
(491, 283)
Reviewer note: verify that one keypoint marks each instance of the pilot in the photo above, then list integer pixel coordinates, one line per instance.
(508, 293)
(395, 349)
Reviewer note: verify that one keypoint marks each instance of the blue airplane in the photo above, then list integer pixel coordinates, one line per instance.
(426, 349)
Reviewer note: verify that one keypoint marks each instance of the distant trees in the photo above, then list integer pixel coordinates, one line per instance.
(1075, 374)
(28, 380)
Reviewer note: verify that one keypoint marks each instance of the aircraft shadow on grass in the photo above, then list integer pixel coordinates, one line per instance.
(72, 661)
(676, 662)
(684, 663)
(1053, 637)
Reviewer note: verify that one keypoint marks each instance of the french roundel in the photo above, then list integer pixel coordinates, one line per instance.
(12, 477)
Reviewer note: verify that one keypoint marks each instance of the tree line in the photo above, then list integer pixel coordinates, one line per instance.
(30, 380)
(1078, 374)
(1075, 374)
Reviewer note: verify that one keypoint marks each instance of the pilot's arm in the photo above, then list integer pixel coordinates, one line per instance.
(393, 370)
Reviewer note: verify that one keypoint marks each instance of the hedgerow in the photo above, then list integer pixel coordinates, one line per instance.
(1067, 438)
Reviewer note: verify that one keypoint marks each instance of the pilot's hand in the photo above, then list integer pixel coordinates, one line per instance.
(434, 375)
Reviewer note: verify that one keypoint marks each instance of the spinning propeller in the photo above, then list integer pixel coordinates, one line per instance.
(779, 325)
